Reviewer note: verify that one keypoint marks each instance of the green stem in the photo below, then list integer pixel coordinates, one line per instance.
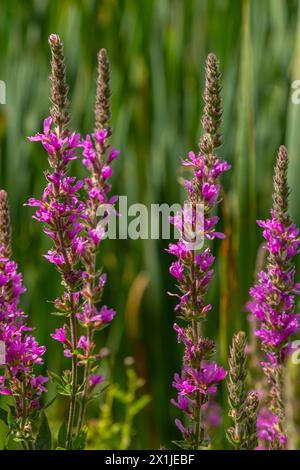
(87, 368)
(24, 407)
(85, 394)
(278, 403)
(73, 331)
(73, 328)
(26, 444)
(196, 334)
(72, 408)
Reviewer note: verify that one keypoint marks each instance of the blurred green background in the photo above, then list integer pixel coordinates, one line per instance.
(157, 50)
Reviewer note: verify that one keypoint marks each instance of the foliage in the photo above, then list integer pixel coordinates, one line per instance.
(111, 431)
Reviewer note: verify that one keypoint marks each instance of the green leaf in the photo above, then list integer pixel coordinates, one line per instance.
(139, 404)
(12, 444)
(60, 314)
(4, 415)
(182, 445)
(79, 441)
(12, 409)
(62, 435)
(99, 394)
(12, 415)
(47, 405)
(62, 385)
(44, 439)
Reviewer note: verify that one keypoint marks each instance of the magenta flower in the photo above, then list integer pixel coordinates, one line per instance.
(207, 377)
(113, 154)
(205, 260)
(186, 432)
(96, 380)
(182, 403)
(203, 380)
(101, 136)
(82, 343)
(212, 414)
(268, 428)
(61, 335)
(178, 249)
(184, 386)
(177, 270)
(55, 258)
(96, 319)
(210, 192)
(106, 172)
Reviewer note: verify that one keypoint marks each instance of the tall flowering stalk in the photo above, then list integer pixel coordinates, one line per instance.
(242, 405)
(68, 209)
(273, 304)
(98, 157)
(61, 211)
(22, 352)
(193, 270)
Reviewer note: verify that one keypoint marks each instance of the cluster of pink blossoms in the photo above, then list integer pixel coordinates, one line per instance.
(268, 429)
(97, 188)
(22, 352)
(273, 304)
(274, 296)
(69, 218)
(193, 271)
(60, 208)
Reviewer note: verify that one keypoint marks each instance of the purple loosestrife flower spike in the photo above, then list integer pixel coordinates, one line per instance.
(273, 304)
(193, 272)
(60, 208)
(242, 405)
(22, 352)
(98, 157)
